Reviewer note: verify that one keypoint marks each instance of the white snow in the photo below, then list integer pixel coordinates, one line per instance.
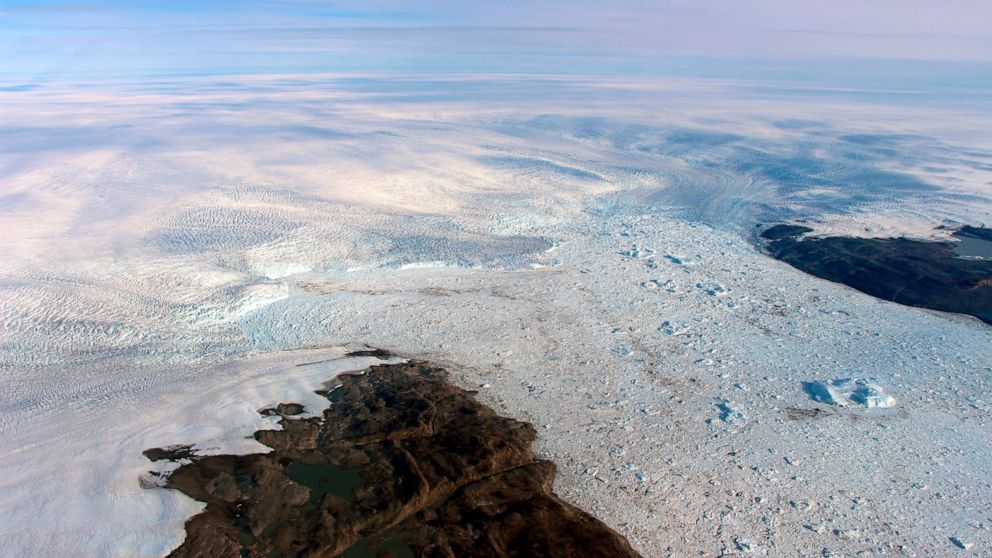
(72, 487)
(278, 270)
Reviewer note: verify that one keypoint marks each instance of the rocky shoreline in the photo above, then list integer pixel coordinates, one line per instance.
(402, 464)
(925, 274)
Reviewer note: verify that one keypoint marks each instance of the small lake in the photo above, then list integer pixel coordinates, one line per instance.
(973, 248)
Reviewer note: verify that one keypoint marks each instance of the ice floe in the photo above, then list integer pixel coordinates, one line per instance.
(850, 391)
(713, 288)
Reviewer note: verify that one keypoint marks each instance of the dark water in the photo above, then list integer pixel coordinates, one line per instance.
(974, 248)
(365, 549)
(324, 478)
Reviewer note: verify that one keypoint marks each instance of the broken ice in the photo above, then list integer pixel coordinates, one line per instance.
(849, 391)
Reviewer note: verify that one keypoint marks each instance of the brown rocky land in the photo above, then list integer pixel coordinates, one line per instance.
(401, 464)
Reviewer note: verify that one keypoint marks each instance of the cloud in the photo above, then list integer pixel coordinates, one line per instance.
(114, 37)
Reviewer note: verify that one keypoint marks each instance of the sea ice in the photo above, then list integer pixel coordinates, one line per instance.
(961, 544)
(730, 414)
(638, 251)
(712, 288)
(668, 328)
(846, 391)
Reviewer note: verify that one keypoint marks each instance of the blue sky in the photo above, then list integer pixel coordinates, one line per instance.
(952, 39)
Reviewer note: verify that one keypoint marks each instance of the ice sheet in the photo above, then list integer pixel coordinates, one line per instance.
(71, 482)
(593, 253)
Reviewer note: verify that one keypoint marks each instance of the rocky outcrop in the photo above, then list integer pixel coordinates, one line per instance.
(920, 273)
(401, 464)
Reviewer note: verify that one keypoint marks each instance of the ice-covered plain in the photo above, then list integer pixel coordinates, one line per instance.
(171, 249)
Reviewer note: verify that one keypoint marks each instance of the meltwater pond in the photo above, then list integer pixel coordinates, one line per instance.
(974, 243)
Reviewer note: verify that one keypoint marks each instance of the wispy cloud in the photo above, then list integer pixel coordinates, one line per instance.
(111, 37)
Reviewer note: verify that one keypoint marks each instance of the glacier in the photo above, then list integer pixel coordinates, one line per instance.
(167, 260)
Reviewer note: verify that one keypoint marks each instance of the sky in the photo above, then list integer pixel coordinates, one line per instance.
(43, 40)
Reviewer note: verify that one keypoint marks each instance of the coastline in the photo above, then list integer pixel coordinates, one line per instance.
(400, 464)
(946, 276)
(627, 407)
